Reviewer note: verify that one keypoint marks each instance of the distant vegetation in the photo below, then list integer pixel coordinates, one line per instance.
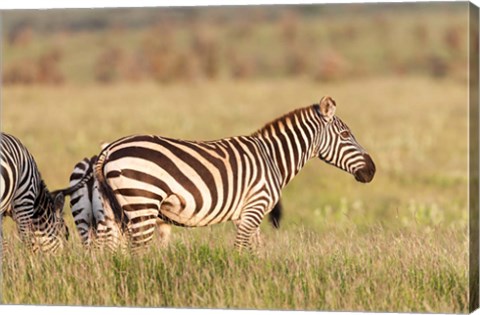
(320, 42)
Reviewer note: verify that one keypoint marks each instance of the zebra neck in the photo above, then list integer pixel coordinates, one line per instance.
(290, 142)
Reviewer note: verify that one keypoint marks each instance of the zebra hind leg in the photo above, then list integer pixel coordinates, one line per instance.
(108, 233)
(3, 243)
(107, 236)
(6, 247)
(140, 229)
(25, 225)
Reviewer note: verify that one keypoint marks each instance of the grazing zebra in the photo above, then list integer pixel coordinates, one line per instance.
(94, 224)
(192, 184)
(25, 197)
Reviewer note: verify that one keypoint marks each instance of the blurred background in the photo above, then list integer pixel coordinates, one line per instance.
(398, 72)
(320, 42)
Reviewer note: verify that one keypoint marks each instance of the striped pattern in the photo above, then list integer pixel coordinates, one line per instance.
(93, 222)
(193, 184)
(25, 197)
(82, 203)
(94, 225)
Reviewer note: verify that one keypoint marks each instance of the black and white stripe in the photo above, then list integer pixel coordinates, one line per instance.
(94, 225)
(82, 203)
(192, 184)
(25, 197)
(93, 222)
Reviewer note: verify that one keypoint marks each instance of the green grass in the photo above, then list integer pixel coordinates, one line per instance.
(399, 243)
(376, 270)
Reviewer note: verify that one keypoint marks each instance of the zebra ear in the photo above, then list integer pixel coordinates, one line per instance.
(327, 107)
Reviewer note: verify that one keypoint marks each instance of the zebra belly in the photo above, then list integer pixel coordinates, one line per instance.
(158, 193)
(175, 209)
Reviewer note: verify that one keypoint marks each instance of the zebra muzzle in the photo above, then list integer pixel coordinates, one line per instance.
(367, 172)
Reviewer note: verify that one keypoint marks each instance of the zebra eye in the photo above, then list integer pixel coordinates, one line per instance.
(345, 134)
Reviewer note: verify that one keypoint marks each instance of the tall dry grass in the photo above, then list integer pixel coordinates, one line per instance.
(374, 270)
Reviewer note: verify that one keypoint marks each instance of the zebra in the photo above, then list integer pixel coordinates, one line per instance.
(93, 223)
(26, 198)
(92, 220)
(240, 179)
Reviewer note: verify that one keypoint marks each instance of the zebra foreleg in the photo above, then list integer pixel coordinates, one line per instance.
(24, 227)
(248, 229)
(256, 239)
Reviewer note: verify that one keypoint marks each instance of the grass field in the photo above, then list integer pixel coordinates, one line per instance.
(399, 243)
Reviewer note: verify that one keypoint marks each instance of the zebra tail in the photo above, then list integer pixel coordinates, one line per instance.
(106, 191)
(275, 215)
(70, 190)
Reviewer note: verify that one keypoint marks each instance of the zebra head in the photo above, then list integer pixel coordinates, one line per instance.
(338, 146)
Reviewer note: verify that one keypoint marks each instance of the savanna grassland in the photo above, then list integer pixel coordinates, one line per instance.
(399, 243)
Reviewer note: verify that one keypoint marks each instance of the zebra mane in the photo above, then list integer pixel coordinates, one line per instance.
(282, 119)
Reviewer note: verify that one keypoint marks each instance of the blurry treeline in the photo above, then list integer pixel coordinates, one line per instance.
(323, 42)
